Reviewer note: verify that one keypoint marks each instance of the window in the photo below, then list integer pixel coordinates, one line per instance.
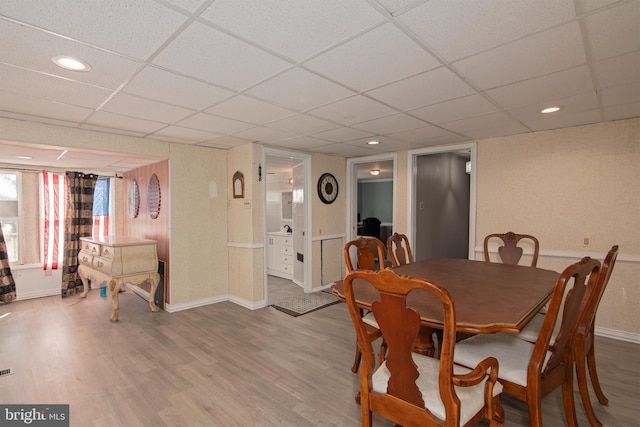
(9, 213)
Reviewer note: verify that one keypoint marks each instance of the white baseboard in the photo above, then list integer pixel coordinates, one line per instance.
(38, 294)
(617, 335)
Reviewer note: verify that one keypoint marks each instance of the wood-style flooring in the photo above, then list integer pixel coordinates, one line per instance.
(223, 365)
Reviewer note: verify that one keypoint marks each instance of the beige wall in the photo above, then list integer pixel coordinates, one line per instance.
(562, 186)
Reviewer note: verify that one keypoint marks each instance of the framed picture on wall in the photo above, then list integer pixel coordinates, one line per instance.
(238, 185)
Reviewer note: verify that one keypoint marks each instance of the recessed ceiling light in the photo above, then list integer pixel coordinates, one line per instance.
(374, 172)
(373, 142)
(549, 110)
(71, 63)
(24, 157)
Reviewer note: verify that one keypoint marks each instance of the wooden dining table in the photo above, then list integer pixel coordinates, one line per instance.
(488, 297)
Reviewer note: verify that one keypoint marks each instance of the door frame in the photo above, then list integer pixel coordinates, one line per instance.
(412, 160)
(352, 190)
(306, 167)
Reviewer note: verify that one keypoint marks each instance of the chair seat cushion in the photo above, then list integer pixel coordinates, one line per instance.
(370, 320)
(471, 398)
(513, 354)
(531, 331)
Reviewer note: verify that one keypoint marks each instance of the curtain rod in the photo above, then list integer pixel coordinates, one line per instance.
(115, 175)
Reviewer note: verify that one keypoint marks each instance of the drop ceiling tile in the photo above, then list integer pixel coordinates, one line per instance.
(250, 110)
(302, 143)
(352, 110)
(221, 60)
(226, 141)
(592, 5)
(380, 56)
(460, 28)
(488, 125)
(116, 121)
(170, 88)
(539, 54)
(208, 122)
(263, 134)
(619, 70)
(467, 106)
(565, 118)
(180, 132)
(424, 89)
(344, 150)
(111, 24)
(621, 94)
(300, 90)
(545, 90)
(25, 82)
(111, 130)
(129, 105)
(342, 134)
(301, 124)
(37, 119)
(167, 138)
(619, 112)
(188, 5)
(297, 29)
(614, 31)
(391, 124)
(108, 70)
(420, 134)
(393, 6)
(42, 107)
(571, 105)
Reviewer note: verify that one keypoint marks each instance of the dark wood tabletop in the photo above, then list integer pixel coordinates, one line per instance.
(488, 297)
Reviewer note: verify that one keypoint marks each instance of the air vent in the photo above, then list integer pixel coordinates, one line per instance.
(5, 372)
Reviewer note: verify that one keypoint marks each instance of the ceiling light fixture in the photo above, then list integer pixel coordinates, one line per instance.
(549, 110)
(373, 142)
(24, 157)
(375, 172)
(70, 63)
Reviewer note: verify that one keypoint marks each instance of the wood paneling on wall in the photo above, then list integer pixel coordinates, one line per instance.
(143, 225)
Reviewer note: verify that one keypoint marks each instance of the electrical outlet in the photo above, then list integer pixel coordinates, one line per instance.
(586, 242)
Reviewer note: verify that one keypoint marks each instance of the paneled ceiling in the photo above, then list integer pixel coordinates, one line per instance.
(319, 76)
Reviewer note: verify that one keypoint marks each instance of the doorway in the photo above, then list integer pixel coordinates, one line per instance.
(286, 215)
(442, 202)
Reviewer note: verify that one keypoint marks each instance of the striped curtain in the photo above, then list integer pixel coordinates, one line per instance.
(101, 208)
(7, 285)
(78, 222)
(52, 191)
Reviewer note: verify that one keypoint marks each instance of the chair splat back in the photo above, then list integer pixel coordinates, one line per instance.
(412, 389)
(366, 247)
(399, 250)
(510, 252)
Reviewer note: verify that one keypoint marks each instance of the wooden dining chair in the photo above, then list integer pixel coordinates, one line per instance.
(399, 250)
(366, 247)
(510, 252)
(408, 388)
(530, 371)
(584, 339)
(583, 349)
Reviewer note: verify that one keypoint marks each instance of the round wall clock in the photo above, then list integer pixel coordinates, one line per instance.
(327, 188)
(133, 199)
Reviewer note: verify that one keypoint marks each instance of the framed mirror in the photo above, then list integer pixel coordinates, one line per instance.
(133, 199)
(238, 185)
(153, 197)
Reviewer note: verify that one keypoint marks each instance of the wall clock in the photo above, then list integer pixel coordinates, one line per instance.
(327, 188)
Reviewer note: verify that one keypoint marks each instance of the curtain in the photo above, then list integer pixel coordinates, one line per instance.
(78, 222)
(7, 285)
(52, 191)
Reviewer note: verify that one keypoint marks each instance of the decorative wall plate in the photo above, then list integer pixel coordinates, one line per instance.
(133, 199)
(327, 188)
(153, 197)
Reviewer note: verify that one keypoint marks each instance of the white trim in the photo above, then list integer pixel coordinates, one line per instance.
(411, 190)
(569, 254)
(617, 335)
(172, 308)
(327, 237)
(245, 245)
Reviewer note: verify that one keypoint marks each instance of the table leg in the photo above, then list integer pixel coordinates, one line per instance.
(424, 342)
(155, 281)
(85, 281)
(114, 288)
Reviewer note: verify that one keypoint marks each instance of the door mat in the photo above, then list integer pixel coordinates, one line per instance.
(303, 304)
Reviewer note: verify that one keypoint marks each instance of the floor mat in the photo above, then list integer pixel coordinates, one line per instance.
(303, 304)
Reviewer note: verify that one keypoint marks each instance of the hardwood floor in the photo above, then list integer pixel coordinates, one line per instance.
(223, 365)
